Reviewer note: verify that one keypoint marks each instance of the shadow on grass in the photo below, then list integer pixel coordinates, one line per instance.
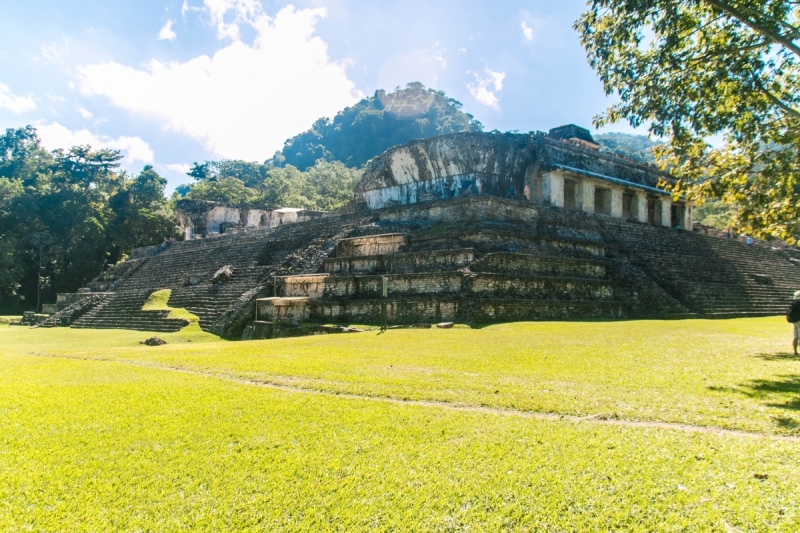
(779, 356)
(784, 391)
(785, 422)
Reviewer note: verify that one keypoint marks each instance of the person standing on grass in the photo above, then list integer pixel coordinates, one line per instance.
(793, 317)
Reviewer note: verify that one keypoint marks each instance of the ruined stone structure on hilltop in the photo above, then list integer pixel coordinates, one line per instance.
(586, 235)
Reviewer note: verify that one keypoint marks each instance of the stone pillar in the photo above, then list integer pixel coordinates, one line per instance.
(553, 188)
(666, 212)
(616, 202)
(639, 207)
(585, 194)
(688, 222)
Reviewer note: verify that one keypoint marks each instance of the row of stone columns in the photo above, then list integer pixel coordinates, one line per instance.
(611, 201)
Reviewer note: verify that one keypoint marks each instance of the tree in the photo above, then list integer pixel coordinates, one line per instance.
(65, 215)
(226, 190)
(141, 215)
(41, 241)
(325, 185)
(692, 69)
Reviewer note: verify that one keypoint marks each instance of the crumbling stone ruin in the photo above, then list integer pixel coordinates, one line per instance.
(201, 218)
(562, 169)
(586, 235)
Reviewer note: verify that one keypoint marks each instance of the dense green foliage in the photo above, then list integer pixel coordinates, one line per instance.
(100, 433)
(697, 68)
(715, 214)
(64, 216)
(325, 185)
(358, 133)
(634, 146)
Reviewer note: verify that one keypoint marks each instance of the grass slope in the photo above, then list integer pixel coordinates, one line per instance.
(159, 301)
(89, 445)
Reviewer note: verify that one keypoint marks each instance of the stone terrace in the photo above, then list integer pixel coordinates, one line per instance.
(472, 259)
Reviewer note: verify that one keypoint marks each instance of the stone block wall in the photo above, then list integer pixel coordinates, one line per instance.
(371, 245)
(400, 263)
(531, 265)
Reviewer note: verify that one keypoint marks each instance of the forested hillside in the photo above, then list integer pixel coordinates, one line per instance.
(65, 215)
(634, 146)
(358, 133)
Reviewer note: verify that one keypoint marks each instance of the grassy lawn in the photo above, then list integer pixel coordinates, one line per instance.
(124, 442)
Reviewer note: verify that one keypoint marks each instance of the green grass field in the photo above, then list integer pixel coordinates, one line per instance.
(635, 426)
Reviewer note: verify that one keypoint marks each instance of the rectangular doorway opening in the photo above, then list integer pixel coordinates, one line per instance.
(569, 195)
(602, 201)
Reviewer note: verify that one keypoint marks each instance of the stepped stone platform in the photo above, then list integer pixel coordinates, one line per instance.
(477, 259)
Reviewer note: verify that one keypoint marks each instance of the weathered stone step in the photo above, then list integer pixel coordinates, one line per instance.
(398, 263)
(420, 309)
(444, 283)
(536, 265)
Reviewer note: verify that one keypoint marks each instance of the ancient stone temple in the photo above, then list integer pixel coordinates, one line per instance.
(471, 227)
(562, 169)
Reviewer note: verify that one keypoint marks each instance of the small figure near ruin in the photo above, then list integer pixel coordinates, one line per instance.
(512, 193)
(793, 317)
(479, 185)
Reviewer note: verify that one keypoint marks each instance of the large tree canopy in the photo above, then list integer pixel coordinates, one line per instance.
(693, 69)
(325, 185)
(65, 215)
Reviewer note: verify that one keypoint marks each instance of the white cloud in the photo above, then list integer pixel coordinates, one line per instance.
(185, 8)
(245, 100)
(55, 52)
(181, 168)
(405, 66)
(238, 12)
(166, 33)
(56, 136)
(85, 113)
(15, 104)
(481, 89)
(527, 31)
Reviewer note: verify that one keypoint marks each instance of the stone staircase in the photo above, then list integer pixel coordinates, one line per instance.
(714, 277)
(188, 267)
(454, 272)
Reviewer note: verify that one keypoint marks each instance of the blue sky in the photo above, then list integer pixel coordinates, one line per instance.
(176, 81)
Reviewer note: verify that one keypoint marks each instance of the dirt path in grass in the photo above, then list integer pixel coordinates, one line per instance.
(592, 419)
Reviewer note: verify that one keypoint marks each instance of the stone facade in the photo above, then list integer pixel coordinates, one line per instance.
(200, 218)
(563, 169)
